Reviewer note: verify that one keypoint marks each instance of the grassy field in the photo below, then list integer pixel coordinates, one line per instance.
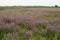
(29, 23)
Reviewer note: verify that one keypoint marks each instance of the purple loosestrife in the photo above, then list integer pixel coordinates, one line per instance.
(55, 28)
(10, 25)
(36, 11)
(1, 21)
(11, 18)
(51, 27)
(18, 21)
(39, 20)
(54, 19)
(29, 33)
(28, 17)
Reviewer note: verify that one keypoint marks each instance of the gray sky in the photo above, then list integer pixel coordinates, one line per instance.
(29, 2)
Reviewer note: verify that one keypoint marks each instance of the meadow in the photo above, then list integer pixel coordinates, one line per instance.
(29, 23)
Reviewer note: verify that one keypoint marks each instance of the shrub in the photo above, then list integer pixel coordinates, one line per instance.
(56, 5)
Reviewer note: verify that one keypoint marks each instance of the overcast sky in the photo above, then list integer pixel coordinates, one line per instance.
(29, 2)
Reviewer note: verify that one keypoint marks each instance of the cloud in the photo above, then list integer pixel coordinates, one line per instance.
(29, 2)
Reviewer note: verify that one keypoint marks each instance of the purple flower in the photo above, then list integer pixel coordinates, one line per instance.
(11, 18)
(55, 28)
(29, 33)
(10, 25)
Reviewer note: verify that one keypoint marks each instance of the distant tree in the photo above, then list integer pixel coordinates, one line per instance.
(56, 5)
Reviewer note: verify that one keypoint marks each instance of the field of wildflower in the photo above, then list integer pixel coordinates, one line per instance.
(30, 24)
